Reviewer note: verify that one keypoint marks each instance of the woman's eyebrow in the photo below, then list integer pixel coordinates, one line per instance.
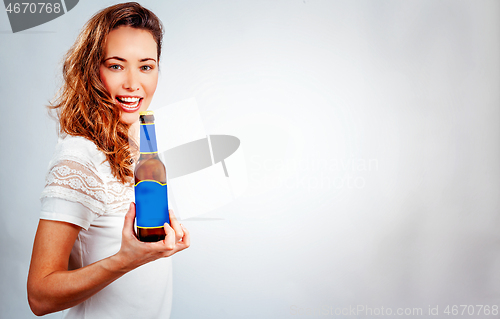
(116, 58)
(124, 60)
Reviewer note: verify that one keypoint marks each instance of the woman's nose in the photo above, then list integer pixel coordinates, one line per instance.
(131, 81)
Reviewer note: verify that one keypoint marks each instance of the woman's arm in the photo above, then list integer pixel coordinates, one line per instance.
(52, 287)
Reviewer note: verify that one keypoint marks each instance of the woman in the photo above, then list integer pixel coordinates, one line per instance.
(86, 256)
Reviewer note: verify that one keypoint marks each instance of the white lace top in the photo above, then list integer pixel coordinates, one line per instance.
(80, 189)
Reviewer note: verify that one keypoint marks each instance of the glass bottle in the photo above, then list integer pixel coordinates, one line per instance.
(150, 184)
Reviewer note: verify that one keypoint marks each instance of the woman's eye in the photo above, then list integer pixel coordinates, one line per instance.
(115, 67)
(146, 67)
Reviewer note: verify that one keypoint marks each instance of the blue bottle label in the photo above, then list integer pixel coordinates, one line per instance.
(151, 204)
(148, 139)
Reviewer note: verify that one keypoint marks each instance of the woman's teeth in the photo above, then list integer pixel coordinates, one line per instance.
(130, 102)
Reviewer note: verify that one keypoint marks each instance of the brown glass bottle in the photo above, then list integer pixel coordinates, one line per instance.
(150, 170)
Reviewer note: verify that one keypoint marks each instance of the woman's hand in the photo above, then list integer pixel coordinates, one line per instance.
(134, 253)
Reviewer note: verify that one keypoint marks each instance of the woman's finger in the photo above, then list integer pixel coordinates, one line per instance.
(174, 223)
(186, 240)
(169, 241)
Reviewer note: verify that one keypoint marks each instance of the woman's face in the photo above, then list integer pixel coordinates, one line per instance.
(130, 70)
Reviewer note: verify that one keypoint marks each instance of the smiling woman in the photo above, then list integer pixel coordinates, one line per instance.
(85, 241)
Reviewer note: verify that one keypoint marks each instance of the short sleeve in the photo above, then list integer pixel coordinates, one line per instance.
(58, 209)
(74, 193)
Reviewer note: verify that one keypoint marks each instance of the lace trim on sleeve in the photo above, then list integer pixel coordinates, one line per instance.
(76, 182)
(119, 195)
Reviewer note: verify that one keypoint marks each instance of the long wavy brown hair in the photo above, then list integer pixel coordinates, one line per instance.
(84, 107)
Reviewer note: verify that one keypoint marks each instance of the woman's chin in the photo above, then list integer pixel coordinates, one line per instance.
(129, 118)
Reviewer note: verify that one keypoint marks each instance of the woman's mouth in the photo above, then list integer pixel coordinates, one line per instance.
(129, 104)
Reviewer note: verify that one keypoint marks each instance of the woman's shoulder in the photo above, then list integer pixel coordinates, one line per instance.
(79, 149)
(76, 142)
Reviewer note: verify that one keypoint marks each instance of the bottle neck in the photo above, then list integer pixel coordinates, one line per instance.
(148, 139)
(146, 156)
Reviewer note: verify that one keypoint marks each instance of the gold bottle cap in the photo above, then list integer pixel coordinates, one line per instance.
(146, 113)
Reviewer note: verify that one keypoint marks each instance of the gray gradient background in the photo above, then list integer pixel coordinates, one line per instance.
(371, 136)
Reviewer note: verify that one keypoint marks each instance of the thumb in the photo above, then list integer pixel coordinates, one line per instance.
(128, 225)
